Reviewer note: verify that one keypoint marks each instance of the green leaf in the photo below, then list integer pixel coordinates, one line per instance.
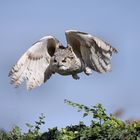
(85, 114)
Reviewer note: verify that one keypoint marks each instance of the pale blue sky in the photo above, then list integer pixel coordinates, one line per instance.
(24, 22)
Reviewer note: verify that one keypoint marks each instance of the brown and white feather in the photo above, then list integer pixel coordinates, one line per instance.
(95, 52)
(33, 64)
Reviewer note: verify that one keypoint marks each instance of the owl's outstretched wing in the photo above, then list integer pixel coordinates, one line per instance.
(33, 66)
(95, 52)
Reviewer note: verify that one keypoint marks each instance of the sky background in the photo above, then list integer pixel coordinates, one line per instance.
(24, 22)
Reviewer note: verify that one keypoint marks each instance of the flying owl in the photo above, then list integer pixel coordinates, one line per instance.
(84, 53)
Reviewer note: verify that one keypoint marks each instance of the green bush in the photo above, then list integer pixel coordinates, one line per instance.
(102, 127)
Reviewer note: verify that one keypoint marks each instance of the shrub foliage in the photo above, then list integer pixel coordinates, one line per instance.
(102, 127)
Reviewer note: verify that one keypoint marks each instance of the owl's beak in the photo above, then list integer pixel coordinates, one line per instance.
(60, 64)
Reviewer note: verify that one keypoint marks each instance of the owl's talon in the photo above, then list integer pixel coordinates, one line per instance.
(75, 76)
(88, 71)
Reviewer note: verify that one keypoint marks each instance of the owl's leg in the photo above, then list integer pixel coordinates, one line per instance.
(88, 71)
(75, 76)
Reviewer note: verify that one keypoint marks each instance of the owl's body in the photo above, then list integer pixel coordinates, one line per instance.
(65, 62)
(48, 56)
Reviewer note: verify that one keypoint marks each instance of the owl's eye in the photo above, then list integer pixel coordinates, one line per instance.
(64, 60)
(55, 60)
(71, 57)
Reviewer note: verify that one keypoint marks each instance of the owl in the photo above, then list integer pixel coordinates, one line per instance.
(84, 53)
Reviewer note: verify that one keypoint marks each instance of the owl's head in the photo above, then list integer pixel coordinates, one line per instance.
(63, 60)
